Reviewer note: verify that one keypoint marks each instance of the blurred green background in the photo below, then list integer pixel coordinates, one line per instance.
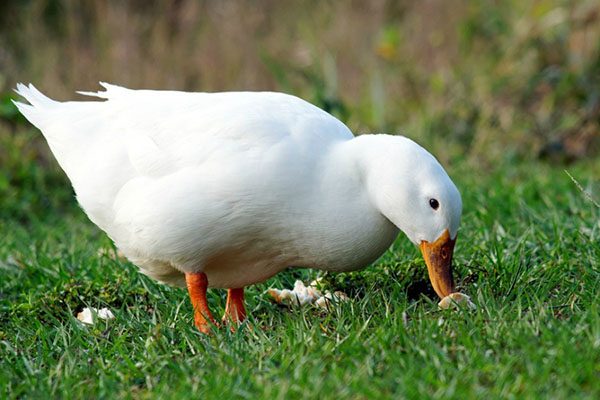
(484, 80)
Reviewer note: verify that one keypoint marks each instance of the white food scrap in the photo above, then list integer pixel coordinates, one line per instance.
(456, 300)
(87, 315)
(310, 294)
(325, 300)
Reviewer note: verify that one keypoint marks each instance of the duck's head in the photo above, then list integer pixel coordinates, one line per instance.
(411, 189)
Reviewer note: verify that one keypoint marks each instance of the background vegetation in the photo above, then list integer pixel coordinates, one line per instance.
(506, 94)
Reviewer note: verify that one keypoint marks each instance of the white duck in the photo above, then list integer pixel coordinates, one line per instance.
(227, 189)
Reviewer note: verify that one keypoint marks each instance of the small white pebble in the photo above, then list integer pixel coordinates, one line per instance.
(456, 300)
(87, 315)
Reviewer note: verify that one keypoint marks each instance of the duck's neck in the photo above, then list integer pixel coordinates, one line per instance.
(350, 231)
(365, 151)
(386, 181)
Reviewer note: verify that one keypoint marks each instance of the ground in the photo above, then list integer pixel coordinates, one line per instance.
(528, 253)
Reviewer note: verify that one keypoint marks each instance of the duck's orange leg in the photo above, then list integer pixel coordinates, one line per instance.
(235, 312)
(197, 284)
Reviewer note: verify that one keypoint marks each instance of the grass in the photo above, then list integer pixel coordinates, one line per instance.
(528, 254)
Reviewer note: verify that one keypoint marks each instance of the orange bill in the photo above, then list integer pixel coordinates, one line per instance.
(438, 257)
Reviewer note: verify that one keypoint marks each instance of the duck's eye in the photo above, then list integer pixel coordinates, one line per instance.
(434, 204)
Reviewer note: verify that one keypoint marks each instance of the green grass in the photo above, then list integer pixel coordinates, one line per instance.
(528, 254)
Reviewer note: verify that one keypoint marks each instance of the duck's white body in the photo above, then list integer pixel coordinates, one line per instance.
(237, 185)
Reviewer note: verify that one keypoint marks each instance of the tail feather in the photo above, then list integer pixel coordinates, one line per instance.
(109, 92)
(46, 114)
(34, 96)
(62, 124)
(39, 104)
